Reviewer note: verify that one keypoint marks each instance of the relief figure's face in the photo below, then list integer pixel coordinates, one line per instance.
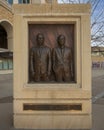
(61, 40)
(40, 39)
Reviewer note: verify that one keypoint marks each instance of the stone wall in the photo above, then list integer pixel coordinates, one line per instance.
(6, 13)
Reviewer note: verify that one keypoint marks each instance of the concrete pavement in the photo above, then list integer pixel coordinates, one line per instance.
(98, 99)
(6, 105)
(6, 85)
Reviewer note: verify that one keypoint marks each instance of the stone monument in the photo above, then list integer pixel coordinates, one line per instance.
(52, 66)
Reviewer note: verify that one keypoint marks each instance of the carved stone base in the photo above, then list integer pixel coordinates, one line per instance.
(51, 121)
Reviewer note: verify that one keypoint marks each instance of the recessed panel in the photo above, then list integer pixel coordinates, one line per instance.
(51, 53)
(52, 107)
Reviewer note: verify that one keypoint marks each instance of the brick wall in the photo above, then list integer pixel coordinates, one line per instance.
(6, 14)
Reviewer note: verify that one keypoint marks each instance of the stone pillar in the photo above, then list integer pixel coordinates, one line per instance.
(15, 1)
(10, 43)
(51, 1)
(37, 1)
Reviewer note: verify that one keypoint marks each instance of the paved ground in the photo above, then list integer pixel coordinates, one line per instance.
(6, 105)
(98, 99)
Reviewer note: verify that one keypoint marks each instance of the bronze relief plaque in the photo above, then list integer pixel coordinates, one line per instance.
(51, 53)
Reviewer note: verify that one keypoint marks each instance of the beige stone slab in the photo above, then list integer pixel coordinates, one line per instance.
(86, 52)
(86, 71)
(18, 35)
(52, 121)
(85, 33)
(52, 93)
(86, 106)
(31, 9)
(32, 122)
(71, 9)
(52, 9)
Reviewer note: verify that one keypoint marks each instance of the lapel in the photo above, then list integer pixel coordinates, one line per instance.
(60, 52)
(41, 51)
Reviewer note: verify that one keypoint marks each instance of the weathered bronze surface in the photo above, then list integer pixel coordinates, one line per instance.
(51, 55)
(52, 107)
(62, 61)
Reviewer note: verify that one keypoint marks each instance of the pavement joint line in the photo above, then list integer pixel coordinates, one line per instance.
(8, 99)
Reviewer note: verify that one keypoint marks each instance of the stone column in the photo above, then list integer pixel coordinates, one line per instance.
(10, 43)
(37, 1)
(51, 1)
(15, 1)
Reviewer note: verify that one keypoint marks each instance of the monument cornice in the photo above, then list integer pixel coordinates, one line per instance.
(56, 9)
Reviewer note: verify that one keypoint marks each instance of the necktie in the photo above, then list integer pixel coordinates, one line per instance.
(40, 51)
(62, 51)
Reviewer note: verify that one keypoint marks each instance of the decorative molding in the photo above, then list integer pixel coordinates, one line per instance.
(6, 5)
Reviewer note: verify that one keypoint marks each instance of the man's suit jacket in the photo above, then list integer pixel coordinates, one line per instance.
(40, 59)
(62, 58)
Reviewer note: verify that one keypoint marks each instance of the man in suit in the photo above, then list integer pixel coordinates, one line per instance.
(62, 61)
(40, 60)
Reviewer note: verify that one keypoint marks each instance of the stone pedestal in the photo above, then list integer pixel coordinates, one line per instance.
(52, 105)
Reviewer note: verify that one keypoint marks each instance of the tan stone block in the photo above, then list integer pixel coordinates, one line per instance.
(6, 13)
(85, 33)
(49, 91)
(33, 9)
(72, 9)
(48, 122)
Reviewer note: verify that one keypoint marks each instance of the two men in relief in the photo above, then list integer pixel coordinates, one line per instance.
(43, 62)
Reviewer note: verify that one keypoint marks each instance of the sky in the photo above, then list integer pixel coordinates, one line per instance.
(97, 19)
